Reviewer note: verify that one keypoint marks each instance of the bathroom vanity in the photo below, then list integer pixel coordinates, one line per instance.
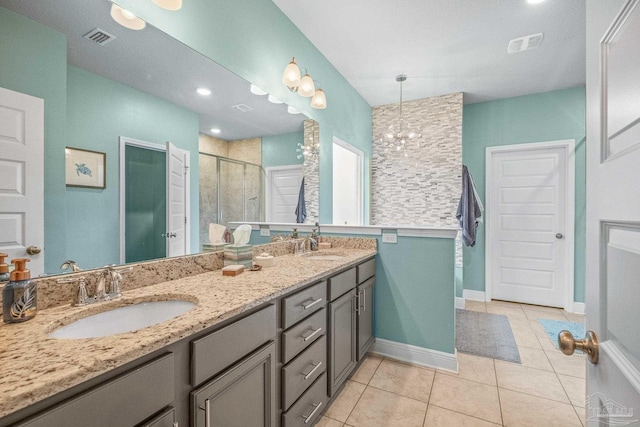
(266, 348)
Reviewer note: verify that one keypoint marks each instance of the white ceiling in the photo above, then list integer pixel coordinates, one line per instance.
(153, 62)
(446, 46)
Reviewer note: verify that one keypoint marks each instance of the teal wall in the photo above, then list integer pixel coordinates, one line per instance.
(33, 60)
(255, 40)
(280, 150)
(99, 111)
(414, 291)
(541, 117)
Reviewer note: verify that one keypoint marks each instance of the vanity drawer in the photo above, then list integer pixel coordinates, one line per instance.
(216, 351)
(124, 401)
(300, 373)
(308, 408)
(303, 334)
(165, 419)
(366, 270)
(342, 283)
(301, 304)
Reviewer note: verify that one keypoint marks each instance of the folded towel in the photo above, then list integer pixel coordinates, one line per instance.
(301, 209)
(468, 209)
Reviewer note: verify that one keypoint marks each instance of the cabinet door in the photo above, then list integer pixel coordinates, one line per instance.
(242, 396)
(365, 316)
(342, 348)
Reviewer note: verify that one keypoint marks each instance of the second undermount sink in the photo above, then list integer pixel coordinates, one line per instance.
(319, 256)
(122, 319)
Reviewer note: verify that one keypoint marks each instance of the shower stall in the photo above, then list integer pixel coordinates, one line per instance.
(230, 190)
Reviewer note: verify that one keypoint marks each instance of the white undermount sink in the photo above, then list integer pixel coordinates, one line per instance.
(122, 319)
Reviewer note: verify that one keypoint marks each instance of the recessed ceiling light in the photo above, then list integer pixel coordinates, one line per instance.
(534, 1)
(215, 130)
(203, 91)
(256, 90)
(274, 99)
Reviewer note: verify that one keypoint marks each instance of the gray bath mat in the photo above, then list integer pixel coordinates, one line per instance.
(485, 334)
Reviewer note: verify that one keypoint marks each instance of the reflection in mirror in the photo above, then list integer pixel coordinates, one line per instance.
(142, 85)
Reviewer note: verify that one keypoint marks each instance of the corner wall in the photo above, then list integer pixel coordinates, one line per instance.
(541, 117)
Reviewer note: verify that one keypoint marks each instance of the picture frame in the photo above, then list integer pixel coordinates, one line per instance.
(85, 168)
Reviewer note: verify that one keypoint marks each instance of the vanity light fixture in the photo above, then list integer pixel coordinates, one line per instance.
(292, 110)
(399, 133)
(169, 4)
(305, 85)
(307, 88)
(215, 130)
(256, 90)
(126, 18)
(203, 91)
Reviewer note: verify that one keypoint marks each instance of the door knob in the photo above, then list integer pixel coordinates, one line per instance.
(559, 236)
(588, 345)
(33, 250)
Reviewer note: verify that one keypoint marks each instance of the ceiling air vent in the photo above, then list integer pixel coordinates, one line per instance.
(524, 43)
(99, 36)
(242, 107)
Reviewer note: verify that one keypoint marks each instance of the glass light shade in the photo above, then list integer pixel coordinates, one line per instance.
(126, 18)
(319, 100)
(292, 110)
(307, 88)
(256, 90)
(291, 75)
(169, 4)
(273, 99)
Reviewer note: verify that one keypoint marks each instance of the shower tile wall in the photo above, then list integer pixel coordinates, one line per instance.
(312, 174)
(423, 188)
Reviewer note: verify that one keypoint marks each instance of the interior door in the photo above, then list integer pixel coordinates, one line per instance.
(22, 177)
(530, 228)
(613, 210)
(283, 188)
(177, 201)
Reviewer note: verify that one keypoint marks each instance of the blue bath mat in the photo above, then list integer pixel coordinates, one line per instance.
(553, 328)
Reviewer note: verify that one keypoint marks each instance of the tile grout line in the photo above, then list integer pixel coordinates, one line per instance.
(433, 382)
(364, 391)
(495, 372)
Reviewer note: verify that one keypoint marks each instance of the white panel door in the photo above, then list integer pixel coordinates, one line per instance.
(177, 201)
(613, 211)
(22, 177)
(527, 202)
(283, 188)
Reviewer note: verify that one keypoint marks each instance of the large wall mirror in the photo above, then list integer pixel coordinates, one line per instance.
(130, 92)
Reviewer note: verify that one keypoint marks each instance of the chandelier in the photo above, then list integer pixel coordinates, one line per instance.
(309, 149)
(400, 133)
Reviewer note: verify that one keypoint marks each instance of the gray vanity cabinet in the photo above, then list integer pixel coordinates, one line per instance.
(364, 300)
(342, 342)
(242, 396)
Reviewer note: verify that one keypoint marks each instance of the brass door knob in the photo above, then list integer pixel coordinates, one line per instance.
(33, 250)
(589, 345)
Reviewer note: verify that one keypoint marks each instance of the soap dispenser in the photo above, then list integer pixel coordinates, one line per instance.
(19, 295)
(4, 269)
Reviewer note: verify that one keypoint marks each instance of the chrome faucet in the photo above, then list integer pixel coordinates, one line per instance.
(103, 292)
(70, 265)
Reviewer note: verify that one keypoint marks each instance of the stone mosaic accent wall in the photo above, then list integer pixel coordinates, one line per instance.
(423, 188)
(311, 173)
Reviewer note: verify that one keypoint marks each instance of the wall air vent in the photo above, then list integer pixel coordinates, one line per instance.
(524, 43)
(99, 36)
(242, 107)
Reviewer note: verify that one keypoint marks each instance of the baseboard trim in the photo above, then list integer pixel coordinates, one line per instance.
(460, 303)
(416, 355)
(578, 307)
(474, 295)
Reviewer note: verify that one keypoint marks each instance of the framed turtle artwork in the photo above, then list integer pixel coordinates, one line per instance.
(85, 168)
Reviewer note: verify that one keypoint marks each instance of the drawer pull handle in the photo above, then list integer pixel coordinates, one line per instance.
(312, 334)
(312, 303)
(207, 413)
(315, 368)
(316, 407)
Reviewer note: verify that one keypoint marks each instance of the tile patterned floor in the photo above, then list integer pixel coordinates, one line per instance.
(547, 389)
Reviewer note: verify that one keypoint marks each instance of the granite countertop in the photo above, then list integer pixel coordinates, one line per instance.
(34, 367)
